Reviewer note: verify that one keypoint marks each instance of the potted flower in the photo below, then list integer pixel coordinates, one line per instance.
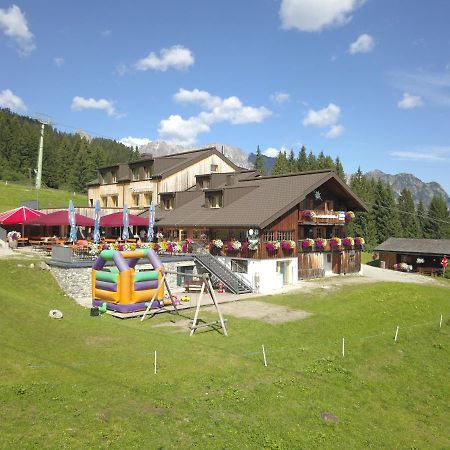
(216, 246)
(335, 243)
(348, 242)
(272, 246)
(308, 214)
(307, 244)
(320, 244)
(349, 216)
(13, 238)
(359, 242)
(287, 245)
(244, 246)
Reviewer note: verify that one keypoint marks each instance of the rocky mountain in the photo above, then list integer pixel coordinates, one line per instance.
(420, 191)
(161, 148)
(268, 161)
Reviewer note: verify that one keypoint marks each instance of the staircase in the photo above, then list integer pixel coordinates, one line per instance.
(222, 273)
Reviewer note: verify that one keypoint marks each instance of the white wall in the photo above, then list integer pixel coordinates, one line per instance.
(266, 271)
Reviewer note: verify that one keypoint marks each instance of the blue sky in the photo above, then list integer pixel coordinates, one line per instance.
(366, 80)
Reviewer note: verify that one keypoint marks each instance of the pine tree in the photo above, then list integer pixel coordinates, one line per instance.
(281, 165)
(321, 162)
(384, 213)
(340, 169)
(260, 164)
(312, 161)
(408, 217)
(421, 218)
(292, 163)
(437, 225)
(302, 160)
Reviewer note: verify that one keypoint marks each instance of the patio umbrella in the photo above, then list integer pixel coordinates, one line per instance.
(97, 222)
(61, 218)
(116, 220)
(151, 222)
(126, 223)
(19, 216)
(72, 222)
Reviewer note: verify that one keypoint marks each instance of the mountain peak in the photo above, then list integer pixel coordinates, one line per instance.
(420, 190)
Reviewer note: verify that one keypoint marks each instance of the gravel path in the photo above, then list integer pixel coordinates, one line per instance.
(76, 283)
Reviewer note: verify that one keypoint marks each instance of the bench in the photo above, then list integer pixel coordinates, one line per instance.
(194, 285)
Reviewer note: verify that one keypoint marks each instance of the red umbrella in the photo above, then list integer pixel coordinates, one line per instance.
(19, 216)
(116, 220)
(62, 218)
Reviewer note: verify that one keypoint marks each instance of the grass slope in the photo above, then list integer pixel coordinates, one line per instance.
(88, 382)
(12, 194)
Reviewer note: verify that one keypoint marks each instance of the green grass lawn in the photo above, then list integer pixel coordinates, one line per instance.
(88, 382)
(12, 194)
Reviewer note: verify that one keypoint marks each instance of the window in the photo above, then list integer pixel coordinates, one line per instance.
(147, 172)
(203, 183)
(91, 202)
(114, 201)
(239, 265)
(214, 167)
(329, 205)
(135, 174)
(269, 235)
(114, 177)
(104, 201)
(216, 200)
(285, 235)
(168, 202)
(135, 199)
(148, 197)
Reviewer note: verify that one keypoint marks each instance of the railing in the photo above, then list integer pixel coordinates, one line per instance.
(321, 217)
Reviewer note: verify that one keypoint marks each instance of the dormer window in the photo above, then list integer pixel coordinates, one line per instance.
(114, 176)
(168, 201)
(147, 172)
(135, 174)
(215, 199)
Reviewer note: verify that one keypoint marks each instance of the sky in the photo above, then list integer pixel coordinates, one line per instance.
(365, 80)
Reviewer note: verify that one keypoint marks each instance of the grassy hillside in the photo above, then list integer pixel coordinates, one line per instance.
(88, 382)
(12, 194)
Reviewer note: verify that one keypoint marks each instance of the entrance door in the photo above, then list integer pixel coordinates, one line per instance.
(336, 262)
(283, 268)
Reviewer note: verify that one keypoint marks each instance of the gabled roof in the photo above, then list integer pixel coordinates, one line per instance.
(260, 201)
(416, 246)
(165, 166)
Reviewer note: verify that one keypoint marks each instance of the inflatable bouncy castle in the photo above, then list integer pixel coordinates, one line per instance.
(123, 288)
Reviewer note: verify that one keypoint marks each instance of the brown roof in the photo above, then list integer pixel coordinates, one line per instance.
(416, 246)
(165, 166)
(261, 201)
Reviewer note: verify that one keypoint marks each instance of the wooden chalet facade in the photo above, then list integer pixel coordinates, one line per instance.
(284, 212)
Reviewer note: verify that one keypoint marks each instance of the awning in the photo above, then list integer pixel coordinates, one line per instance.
(116, 220)
(62, 218)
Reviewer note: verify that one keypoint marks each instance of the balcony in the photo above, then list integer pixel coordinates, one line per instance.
(316, 217)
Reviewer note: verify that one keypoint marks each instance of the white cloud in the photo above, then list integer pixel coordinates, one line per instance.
(323, 117)
(215, 109)
(315, 15)
(364, 44)
(432, 87)
(334, 131)
(409, 101)
(271, 152)
(11, 101)
(280, 97)
(14, 25)
(131, 141)
(81, 103)
(182, 131)
(415, 156)
(58, 61)
(177, 57)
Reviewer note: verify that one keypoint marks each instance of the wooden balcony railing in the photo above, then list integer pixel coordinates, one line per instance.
(321, 217)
